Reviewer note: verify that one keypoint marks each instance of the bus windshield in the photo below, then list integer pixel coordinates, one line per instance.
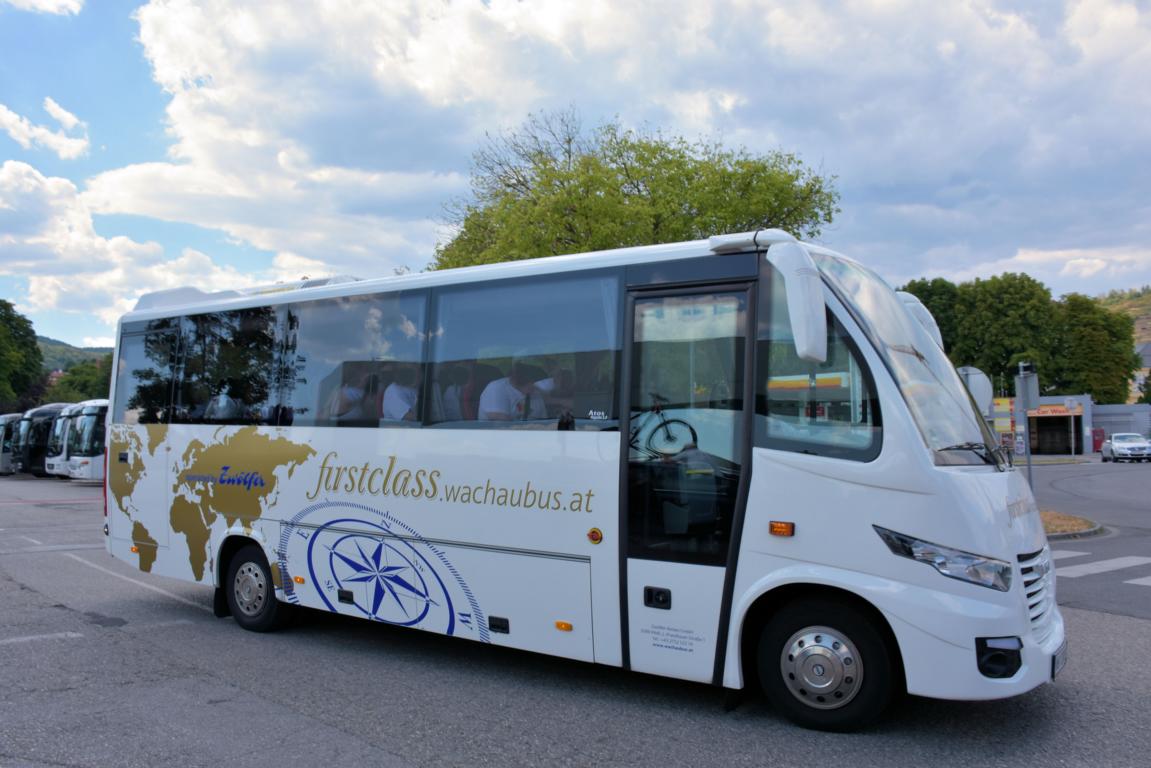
(56, 439)
(938, 400)
(86, 437)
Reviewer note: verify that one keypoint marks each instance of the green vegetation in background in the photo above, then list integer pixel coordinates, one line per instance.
(83, 381)
(1078, 345)
(549, 189)
(60, 356)
(19, 358)
(1136, 303)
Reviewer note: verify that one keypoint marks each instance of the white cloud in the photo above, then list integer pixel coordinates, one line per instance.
(1078, 270)
(65, 118)
(28, 135)
(49, 240)
(965, 135)
(58, 7)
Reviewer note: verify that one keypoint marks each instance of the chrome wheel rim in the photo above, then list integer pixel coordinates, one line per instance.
(821, 667)
(250, 589)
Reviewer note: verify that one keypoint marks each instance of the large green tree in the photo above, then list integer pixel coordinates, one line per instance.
(1001, 321)
(549, 188)
(1078, 345)
(1093, 350)
(19, 358)
(940, 297)
(83, 381)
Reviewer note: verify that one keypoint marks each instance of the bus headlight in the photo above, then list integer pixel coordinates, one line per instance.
(953, 563)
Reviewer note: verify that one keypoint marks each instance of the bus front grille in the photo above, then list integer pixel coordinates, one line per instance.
(1039, 587)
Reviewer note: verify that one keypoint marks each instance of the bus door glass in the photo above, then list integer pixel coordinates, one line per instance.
(686, 439)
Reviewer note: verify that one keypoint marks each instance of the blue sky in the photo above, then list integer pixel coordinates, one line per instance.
(221, 144)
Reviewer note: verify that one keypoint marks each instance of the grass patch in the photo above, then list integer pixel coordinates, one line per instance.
(1057, 522)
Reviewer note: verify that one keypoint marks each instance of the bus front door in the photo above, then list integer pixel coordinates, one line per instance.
(685, 454)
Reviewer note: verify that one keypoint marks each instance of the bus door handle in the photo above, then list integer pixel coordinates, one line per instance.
(657, 597)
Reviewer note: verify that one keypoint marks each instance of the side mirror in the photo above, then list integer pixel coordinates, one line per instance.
(805, 306)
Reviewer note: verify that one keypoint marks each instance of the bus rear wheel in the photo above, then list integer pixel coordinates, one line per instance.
(825, 665)
(251, 593)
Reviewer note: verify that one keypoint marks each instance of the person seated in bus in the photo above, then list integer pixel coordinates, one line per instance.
(513, 397)
(402, 395)
(222, 407)
(355, 402)
(558, 388)
(453, 379)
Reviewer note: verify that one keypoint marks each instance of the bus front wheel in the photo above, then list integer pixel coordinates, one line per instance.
(251, 593)
(825, 665)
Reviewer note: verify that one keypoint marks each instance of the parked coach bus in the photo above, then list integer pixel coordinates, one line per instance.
(33, 435)
(56, 453)
(739, 461)
(86, 441)
(9, 428)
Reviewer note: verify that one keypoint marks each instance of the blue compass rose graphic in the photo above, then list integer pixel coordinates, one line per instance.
(387, 585)
(377, 566)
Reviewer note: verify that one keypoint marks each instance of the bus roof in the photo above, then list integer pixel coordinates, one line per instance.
(189, 299)
(43, 411)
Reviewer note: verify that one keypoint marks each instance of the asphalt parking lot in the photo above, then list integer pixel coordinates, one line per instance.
(102, 665)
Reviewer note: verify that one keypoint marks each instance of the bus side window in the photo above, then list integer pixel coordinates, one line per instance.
(355, 361)
(527, 354)
(827, 409)
(144, 375)
(227, 368)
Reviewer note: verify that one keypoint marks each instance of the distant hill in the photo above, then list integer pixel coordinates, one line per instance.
(1137, 304)
(59, 355)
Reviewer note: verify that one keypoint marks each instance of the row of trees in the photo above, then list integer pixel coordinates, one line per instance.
(21, 377)
(23, 382)
(1077, 344)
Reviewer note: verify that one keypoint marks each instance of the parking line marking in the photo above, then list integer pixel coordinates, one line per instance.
(29, 538)
(34, 638)
(1144, 582)
(138, 583)
(1101, 566)
(1059, 554)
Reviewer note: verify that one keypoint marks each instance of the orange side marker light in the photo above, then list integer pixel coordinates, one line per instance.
(298, 579)
(564, 626)
(780, 528)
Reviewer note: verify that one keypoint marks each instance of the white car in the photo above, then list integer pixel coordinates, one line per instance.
(1126, 446)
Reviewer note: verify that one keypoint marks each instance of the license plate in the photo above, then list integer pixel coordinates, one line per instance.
(1059, 660)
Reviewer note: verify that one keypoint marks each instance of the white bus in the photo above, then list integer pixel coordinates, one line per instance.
(739, 461)
(86, 437)
(56, 452)
(9, 428)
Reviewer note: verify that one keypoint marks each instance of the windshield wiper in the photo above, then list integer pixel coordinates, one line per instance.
(908, 349)
(980, 449)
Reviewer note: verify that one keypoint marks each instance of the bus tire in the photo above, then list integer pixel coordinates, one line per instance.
(825, 665)
(251, 593)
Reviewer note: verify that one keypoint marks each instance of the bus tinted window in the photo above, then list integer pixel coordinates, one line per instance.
(829, 408)
(144, 375)
(527, 354)
(354, 361)
(227, 366)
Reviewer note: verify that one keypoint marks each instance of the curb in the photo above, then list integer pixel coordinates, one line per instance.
(1094, 530)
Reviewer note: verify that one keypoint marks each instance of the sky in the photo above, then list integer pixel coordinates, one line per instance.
(224, 144)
